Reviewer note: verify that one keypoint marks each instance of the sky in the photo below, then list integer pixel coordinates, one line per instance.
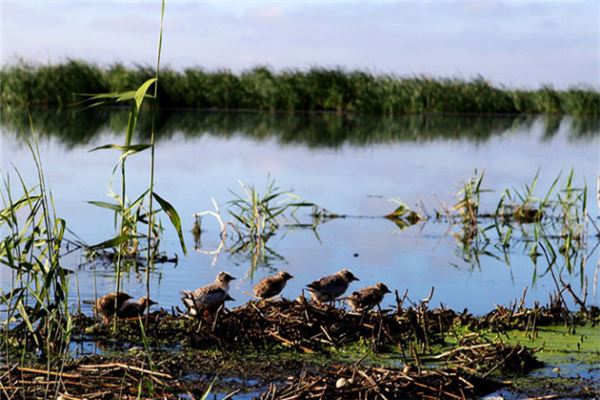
(513, 43)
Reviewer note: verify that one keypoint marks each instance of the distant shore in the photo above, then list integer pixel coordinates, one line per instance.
(317, 89)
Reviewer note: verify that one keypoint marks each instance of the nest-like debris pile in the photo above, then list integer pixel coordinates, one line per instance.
(518, 316)
(90, 381)
(482, 358)
(311, 327)
(132, 377)
(352, 382)
(299, 324)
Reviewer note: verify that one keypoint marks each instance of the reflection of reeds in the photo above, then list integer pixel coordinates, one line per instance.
(317, 89)
(312, 130)
(554, 226)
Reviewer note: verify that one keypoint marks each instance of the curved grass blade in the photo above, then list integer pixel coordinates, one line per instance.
(131, 149)
(103, 204)
(114, 242)
(174, 217)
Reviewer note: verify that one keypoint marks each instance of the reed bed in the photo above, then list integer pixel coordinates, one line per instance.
(316, 89)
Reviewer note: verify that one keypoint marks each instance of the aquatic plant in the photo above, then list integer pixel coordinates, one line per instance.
(256, 218)
(130, 215)
(316, 89)
(37, 319)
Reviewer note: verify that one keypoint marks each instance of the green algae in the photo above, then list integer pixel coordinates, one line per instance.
(560, 344)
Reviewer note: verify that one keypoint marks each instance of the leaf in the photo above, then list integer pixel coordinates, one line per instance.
(114, 242)
(103, 204)
(131, 149)
(174, 217)
(140, 93)
(23, 314)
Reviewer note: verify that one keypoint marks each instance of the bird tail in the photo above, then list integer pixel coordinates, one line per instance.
(187, 299)
(313, 286)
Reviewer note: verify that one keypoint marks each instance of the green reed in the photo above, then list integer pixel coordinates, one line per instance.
(37, 320)
(316, 89)
(131, 216)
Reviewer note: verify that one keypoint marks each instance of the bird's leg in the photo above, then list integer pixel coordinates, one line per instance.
(217, 317)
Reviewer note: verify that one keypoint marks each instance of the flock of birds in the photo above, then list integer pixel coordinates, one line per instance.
(208, 299)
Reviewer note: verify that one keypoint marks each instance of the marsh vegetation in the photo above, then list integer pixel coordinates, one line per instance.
(542, 235)
(317, 89)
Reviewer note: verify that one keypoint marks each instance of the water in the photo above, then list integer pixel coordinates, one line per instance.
(348, 165)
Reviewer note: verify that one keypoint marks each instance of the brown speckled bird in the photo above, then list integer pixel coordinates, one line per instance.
(368, 297)
(122, 305)
(210, 297)
(331, 287)
(272, 285)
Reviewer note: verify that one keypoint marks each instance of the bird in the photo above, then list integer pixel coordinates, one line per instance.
(272, 285)
(122, 305)
(330, 287)
(210, 297)
(368, 297)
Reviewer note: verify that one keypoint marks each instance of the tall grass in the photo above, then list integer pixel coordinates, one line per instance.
(131, 215)
(36, 321)
(317, 89)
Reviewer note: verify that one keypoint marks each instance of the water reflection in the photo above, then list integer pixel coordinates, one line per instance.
(347, 164)
(325, 130)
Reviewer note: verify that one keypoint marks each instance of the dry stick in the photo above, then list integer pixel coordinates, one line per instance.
(522, 303)
(51, 373)
(361, 359)
(416, 356)
(402, 352)
(579, 302)
(447, 353)
(126, 367)
(434, 390)
(375, 385)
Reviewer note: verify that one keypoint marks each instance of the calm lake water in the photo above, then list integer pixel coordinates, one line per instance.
(348, 165)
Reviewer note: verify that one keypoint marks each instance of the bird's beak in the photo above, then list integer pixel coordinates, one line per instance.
(356, 279)
(152, 302)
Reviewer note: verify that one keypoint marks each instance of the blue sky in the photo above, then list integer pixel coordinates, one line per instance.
(515, 43)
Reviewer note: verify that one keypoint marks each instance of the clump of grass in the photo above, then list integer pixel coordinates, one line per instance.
(403, 216)
(316, 89)
(256, 218)
(37, 319)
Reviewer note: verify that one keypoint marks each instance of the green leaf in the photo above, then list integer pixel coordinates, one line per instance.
(174, 217)
(114, 242)
(110, 206)
(24, 315)
(140, 93)
(131, 149)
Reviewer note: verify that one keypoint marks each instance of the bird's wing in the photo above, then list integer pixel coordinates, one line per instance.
(323, 282)
(211, 297)
(205, 289)
(261, 287)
